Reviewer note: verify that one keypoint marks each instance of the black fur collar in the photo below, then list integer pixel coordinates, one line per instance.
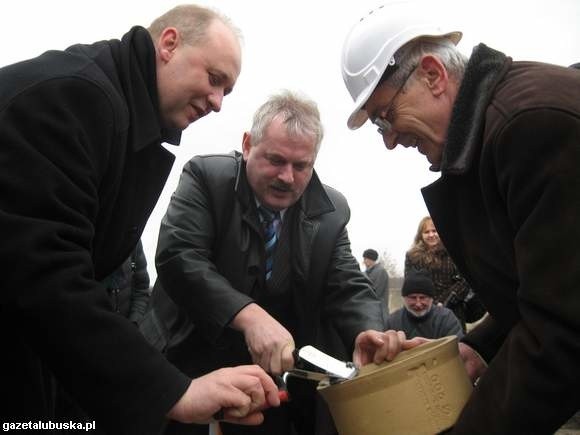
(484, 69)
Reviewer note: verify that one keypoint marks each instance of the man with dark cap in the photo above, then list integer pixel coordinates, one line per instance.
(378, 276)
(419, 317)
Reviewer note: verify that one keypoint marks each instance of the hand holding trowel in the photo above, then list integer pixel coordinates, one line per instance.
(311, 364)
(271, 346)
(370, 346)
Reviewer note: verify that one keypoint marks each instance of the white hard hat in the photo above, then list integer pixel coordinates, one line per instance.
(372, 42)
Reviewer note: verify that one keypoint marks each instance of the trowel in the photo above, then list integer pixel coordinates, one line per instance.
(313, 364)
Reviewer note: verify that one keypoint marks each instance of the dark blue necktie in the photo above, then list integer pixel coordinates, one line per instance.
(270, 224)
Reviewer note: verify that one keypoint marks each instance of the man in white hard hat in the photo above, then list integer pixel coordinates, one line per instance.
(505, 136)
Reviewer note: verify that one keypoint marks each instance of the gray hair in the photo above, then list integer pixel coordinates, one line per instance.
(192, 22)
(409, 55)
(299, 114)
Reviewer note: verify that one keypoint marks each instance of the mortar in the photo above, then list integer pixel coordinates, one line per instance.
(422, 391)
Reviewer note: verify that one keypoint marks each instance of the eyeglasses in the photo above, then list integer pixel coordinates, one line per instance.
(383, 118)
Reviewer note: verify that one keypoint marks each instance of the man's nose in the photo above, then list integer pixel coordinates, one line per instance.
(286, 173)
(389, 139)
(215, 100)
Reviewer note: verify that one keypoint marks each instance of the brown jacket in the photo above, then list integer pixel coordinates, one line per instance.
(507, 208)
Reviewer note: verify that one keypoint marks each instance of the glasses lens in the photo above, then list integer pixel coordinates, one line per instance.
(384, 126)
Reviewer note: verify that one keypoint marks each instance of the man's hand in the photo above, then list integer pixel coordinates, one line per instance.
(269, 343)
(241, 392)
(375, 346)
(474, 363)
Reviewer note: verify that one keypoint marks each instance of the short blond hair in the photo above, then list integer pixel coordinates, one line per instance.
(191, 21)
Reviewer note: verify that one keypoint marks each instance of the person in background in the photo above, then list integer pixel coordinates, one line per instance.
(254, 261)
(82, 167)
(451, 289)
(378, 275)
(420, 317)
(128, 286)
(505, 136)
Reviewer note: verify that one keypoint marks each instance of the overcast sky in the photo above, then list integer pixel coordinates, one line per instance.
(297, 45)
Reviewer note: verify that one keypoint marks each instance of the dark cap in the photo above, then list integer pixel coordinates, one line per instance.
(371, 254)
(418, 281)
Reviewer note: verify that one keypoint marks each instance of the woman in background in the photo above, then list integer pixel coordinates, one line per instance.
(451, 289)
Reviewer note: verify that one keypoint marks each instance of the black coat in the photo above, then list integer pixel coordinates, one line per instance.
(210, 254)
(79, 137)
(507, 208)
(128, 286)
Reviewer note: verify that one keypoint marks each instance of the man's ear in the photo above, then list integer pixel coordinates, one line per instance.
(167, 43)
(246, 145)
(433, 74)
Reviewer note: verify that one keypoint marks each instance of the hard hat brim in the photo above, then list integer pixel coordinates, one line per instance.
(357, 118)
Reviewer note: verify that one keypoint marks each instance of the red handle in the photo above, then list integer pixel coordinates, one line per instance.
(283, 396)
